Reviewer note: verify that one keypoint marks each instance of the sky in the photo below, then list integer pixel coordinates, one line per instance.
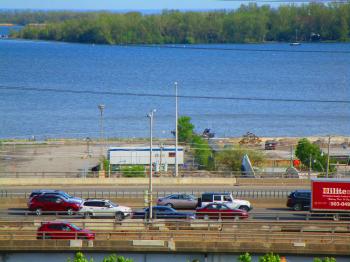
(118, 4)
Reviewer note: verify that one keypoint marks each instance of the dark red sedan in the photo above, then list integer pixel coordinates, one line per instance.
(62, 230)
(220, 211)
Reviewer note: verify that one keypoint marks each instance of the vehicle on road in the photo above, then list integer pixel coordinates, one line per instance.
(63, 230)
(330, 195)
(54, 192)
(184, 201)
(299, 200)
(53, 202)
(270, 145)
(224, 198)
(220, 211)
(103, 208)
(163, 212)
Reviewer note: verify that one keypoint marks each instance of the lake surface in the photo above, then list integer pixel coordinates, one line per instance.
(249, 71)
(151, 257)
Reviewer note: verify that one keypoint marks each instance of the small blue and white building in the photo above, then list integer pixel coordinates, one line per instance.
(141, 155)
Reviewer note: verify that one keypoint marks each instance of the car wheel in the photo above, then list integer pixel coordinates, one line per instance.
(38, 211)
(87, 215)
(297, 207)
(245, 208)
(119, 216)
(70, 212)
(169, 205)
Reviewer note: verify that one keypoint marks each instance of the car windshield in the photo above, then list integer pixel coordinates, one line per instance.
(112, 204)
(75, 227)
(64, 194)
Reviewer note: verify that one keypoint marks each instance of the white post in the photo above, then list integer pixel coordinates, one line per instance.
(329, 143)
(176, 131)
(150, 186)
(101, 107)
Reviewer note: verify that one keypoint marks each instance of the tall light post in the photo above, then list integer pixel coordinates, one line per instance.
(329, 143)
(176, 131)
(101, 107)
(150, 186)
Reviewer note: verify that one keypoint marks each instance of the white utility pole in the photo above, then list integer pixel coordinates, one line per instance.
(150, 186)
(101, 107)
(176, 131)
(329, 143)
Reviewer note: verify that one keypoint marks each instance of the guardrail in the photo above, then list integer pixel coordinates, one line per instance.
(237, 193)
(202, 230)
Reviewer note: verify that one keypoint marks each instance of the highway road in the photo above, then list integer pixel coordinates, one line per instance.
(137, 191)
(259, 214)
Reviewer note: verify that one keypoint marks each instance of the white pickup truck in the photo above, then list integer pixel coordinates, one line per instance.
(225, 198)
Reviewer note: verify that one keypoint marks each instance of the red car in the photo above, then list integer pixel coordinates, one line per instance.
(52, 202)
(218, 210)
(62, 230)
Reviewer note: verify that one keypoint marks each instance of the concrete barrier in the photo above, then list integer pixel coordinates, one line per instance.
(181, 246)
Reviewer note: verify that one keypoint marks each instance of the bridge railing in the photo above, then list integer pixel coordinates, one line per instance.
(211, 236)
(283, 221)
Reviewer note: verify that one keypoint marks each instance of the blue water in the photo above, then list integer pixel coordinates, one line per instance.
(150, 257)
(225, 73)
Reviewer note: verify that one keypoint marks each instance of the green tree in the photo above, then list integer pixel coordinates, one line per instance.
(79, 257)
(231, 158)
(270, 257)
(246, 257)
(306, 150)
(115, 258)
(202, 152)
(185, 129)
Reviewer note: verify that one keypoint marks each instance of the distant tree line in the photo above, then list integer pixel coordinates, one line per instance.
(247, 24)
(20, 17)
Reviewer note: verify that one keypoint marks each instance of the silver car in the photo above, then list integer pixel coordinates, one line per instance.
(184, 201)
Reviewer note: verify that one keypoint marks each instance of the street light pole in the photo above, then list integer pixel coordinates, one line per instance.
(176, 131)
(150, 186)
(329, 143)
(101, 107)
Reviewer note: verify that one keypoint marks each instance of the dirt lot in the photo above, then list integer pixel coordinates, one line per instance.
(78, 155)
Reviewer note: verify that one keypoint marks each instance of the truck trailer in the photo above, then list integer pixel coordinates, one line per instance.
(330, 195)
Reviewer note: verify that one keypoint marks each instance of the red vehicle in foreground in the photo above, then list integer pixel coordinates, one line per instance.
(220, 211)
(62, 230)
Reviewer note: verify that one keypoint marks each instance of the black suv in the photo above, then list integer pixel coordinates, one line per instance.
(299, 200)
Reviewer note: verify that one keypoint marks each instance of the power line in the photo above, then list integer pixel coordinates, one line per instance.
(53, 90)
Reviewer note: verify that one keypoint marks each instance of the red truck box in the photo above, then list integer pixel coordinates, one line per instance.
(330, 195)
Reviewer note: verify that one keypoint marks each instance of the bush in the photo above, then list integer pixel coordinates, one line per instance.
(202, 152)
(270, 257)
(245, 258)
(133, 171)
(231, 159)
(326, 259)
